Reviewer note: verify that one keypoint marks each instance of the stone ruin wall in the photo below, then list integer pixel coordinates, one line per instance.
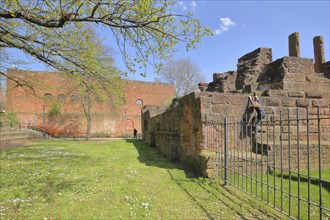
(176, 132)
(288, 83)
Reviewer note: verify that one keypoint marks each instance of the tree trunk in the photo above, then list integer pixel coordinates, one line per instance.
(87, 110)
(89, 124)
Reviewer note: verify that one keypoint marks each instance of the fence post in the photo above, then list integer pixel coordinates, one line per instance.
(226, 150)
(320, 158)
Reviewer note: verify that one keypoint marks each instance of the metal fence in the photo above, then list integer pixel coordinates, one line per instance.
(284, 161)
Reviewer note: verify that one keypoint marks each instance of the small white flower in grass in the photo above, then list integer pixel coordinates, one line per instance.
(145, 205)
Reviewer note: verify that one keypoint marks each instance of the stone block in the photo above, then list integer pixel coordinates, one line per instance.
(205, 100)
(275, 93)
(228, 109)
(273, 102)
(288, 102)
(269, 110)
(297, 94)
(250, 88)
(315, 95)
(212, 117)
(302, 102)
(296, 76)
(205, 94)
(251, 65)
(220, 98)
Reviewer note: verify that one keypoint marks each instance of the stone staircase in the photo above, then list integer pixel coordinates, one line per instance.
(17, 136)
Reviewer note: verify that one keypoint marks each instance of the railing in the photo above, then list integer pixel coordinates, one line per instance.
(6, 125)
(284, 162)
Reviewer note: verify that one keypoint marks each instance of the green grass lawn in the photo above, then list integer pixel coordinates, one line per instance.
(263, 186)
(112, 180)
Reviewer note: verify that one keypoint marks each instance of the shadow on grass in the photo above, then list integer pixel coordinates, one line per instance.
(316, 182)
(152, 157)
(218, 194)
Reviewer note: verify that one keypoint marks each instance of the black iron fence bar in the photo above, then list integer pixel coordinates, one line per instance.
(281, 156)
(217, 155)
(234, 148)
(310, 118)
(246, 152)
(308, 165)
(242, 150)
(251, 144)
(267, 162)
(229, 148)
(226, 150)
(289, 159)
(238, 149)
(298, 160)
(274, 179)
(261, 168)
(320, 158)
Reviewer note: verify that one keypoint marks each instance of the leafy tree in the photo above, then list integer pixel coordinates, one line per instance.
(43, 29)
(53, 32)
(101, 81)
(184, 74)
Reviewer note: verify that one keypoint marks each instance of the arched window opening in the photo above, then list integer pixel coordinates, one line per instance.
(74, 98)
(48, 97)
(139, 102)
(61, 98)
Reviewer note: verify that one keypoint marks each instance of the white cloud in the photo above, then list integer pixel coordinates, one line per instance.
(224, 26)
(189, 5)
(193, 4)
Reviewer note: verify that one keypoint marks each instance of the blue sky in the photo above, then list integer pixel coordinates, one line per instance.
(243, 26)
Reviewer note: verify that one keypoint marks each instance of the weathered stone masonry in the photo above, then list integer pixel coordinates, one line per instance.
(286, 85)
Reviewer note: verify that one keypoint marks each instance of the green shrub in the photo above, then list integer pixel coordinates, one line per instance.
(101, 135)
(55, 110)
(11, 117)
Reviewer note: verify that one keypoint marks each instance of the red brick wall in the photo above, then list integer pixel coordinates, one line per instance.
(31, 107)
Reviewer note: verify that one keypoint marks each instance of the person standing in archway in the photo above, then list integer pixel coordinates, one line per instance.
(135, 133)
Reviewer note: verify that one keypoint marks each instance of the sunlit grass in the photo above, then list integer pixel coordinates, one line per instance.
(112, 180)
